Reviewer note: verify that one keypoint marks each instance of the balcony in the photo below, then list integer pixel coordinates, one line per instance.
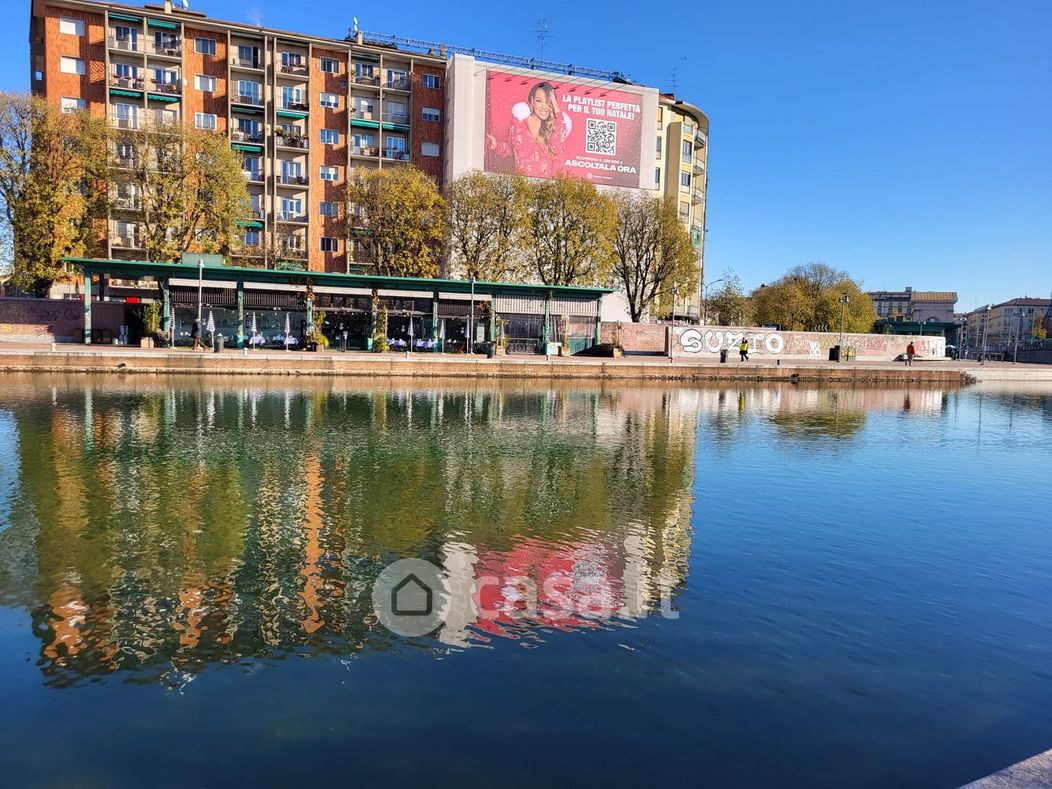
(125, 44)
(124, 122)
(253, 176)
(396, 117)
(129, 83)
(397, 83)
(292, 141)
(292, 216)
(125, 242)
(294, 253)
(163, 118)
(364, 115)
(166, 49)
(243, 136)
(367, 80)
(126, 162)
(248, 98)
(292, 180)
(127, 203)
(396, 155)
(256, 213)
(294, 69)
(248, 63)
(295, 106)
(167, 88)
(365, 150)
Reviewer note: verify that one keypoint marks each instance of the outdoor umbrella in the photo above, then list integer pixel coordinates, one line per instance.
(211, 323)
(288, 329)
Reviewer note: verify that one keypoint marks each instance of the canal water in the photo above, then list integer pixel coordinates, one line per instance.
(736, 586)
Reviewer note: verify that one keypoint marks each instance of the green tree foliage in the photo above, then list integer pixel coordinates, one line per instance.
(807, 298)
(652, 252)
(399, 220)
(190, 189)
(486, 218)
(727, 306)
(568, 236)
(380, 331)
(52, 176)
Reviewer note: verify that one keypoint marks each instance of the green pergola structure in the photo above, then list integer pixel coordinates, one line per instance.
(245, 278)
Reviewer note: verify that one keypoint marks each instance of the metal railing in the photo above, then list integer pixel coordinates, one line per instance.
(166, 87)
(125, 44)
(241, 136)
(397, 155)
(363, 115)
(256, 176)
(127, 203)
(170, 49)
(238, 62)
(396, 117)
(257, 213)
(364, 150)
(126, 242)
(294, 69)
(248, 98)
(371, 81)
(132, 83)
(399, 83)
(292, 141)
(291, 216)
(292, 180)
(130, 122)
(296, 106)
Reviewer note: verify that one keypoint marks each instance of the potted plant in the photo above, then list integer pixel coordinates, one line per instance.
(501, 345)
(564, 345)
(617, 351)
(151, 322)
(316, 338)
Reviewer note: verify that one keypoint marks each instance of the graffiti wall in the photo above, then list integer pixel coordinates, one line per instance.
(710, 340)
(54, 320)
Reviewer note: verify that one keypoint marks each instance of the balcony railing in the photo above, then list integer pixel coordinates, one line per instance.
(127, 203)
(292, 216)
(126, 162)
(292, 180)
(133, 83)
(295, 69)
(125, 44)
(364, 150)
(243, 136)
(171, 49)
(398, 156)
(396, 117)
(238, 62)
(257, 213)
(367, 80)
(248, 98)
(255, 176)
(294, 253)
(398, 83)
(166, 87)
(126, 242)
(163, 118)
(364, 115)
(124, 122)
(296, 106)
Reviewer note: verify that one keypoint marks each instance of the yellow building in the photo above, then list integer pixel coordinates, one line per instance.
(681, 152)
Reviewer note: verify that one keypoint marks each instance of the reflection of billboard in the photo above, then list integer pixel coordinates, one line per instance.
(543, 128)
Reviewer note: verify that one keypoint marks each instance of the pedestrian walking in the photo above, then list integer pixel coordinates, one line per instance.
(195, 336)
(743, 349)
(911, 351)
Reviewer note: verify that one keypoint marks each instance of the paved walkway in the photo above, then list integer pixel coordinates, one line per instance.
(1034, 773)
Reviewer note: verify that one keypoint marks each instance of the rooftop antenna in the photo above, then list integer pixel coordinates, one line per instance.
(543, 33)
(355, 20)
(675, 75)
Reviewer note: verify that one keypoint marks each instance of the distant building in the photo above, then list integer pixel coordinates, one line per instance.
(999, 324)
(914, 306)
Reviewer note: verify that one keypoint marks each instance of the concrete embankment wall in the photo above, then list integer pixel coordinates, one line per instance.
(688, 341)
(305, 364)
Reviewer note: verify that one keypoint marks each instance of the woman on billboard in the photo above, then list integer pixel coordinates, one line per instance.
(537, 134)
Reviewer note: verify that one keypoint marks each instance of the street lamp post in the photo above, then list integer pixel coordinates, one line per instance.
(704, 303)
(986, 333)
(471, 319)
(200, 283)
(843, 309)
(672, 332)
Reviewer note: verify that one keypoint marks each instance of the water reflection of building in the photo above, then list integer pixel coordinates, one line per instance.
(177, 526)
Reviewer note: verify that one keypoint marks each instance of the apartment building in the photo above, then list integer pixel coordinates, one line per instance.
(998, 325)
(300, 110)
(681, 153)
(917, 306)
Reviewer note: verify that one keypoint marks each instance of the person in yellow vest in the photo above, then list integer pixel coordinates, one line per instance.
(743, 349)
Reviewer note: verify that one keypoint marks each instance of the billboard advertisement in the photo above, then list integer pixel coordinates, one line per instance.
(544, 127)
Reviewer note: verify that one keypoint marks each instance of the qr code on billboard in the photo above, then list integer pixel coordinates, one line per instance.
(601, 137)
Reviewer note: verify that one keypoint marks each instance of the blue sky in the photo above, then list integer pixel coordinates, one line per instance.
(907, 142)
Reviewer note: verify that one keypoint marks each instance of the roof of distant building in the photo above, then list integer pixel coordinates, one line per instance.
(934, 295)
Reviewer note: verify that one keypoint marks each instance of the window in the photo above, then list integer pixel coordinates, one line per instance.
(364, 71)
(330, 65)
(330, 100)
(687, 150)
(429, 149)
(71, 65)
(394, 143)
(365, 109)
(657, 176)
(248, 91)
(251, 238)
(329, 173)
(206, 83)
(330, 244)
(291, 208)
(73, 105)
(291, 98)
(253, 167)
(329, 208)
(330, 137)
(659, 146)
(291, 171)
(205, 46)
(684, 180)
(431, 114)
(291, 61)
(204, 120)
(430, 80)
(164, 77)
(73, 27)
(397, 79)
